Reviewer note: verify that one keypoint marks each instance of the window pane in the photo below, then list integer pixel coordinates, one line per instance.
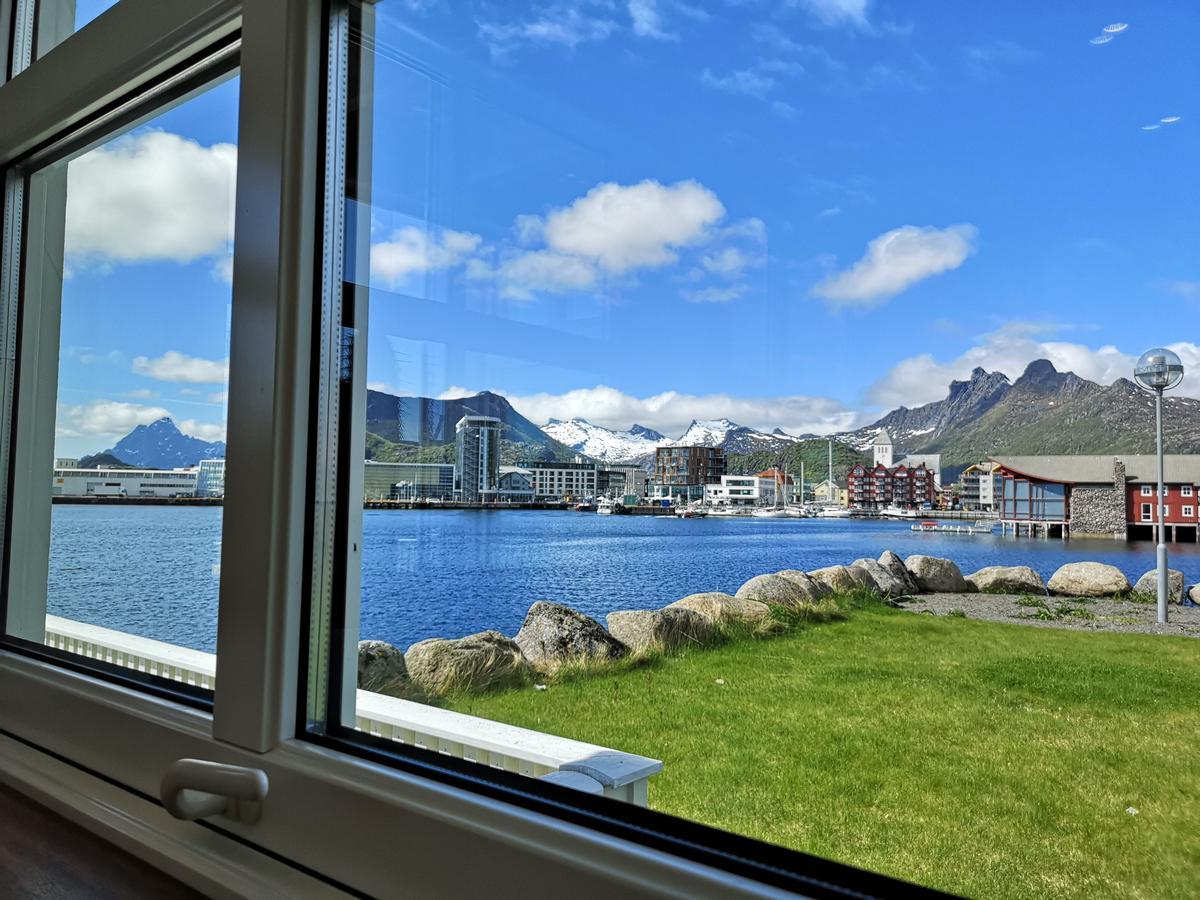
(59, 19)
(652, 319)
(121, 397)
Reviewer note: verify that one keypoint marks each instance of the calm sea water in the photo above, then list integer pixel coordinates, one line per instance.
(149, 570)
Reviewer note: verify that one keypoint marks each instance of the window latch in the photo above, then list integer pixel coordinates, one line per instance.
(197, 788)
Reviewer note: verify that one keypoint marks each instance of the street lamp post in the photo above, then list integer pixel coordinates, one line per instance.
(1160, 370)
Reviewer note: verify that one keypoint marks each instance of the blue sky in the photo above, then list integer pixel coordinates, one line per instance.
(787, 212)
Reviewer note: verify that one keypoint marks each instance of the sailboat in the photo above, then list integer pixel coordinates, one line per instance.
(777, 511)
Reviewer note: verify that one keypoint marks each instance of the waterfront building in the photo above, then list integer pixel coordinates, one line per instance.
(746, 490)
(553, 480)
(1099, 495)
(120, 483)
(681, 473)
(621, 481)
(830, 492)
(516, 484)
(882, 448)
(931, 461)
(66, 462)
(408, 481)
(980, 487)
(477, 451)
(210, 478)
(876, 487)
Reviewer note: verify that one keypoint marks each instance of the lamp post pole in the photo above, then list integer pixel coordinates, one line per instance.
(1159, 370)
(1162, 527)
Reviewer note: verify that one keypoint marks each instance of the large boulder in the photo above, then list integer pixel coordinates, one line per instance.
(812, 589)
(775, 590)
(935, 575)
(381, 668)
(1088, 579)
(718, 607)
(860, 576)
(895, 565)
(1007, 580)
(466, 665)
(886, 581)
(1148, 585)
(1194, 594)
(554, 634)
(838, 579)
(667, 629)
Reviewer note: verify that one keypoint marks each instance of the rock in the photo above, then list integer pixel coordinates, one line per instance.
(776, 589)
(812, 589)
(895, 565)
(554, 634)
(838, 579)
(381, 668)
(466, 665)
(718, 607)
(1194, 593)
(886, 581)
(670, 628)
(1148, 585)
(1007, 580)
(1088, 579)
(862, 577)
(935, 575)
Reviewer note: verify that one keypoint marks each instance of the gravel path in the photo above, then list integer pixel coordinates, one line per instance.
(1079, 613)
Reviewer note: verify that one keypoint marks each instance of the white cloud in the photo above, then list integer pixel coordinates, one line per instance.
(151, 196)
(647, 21)
(559, 24)
(896, 260)
(206, 431)
(671, 412)
(176, 366)
(750, 82)
(110, 418)
(727, 261)
(716, 294)
(829, 211)
(142, 394)
(837, 12)
(1189, 290)
(624, 227)
(783, 110)
(219, 397)
(922, 379)
(411, 250)
(541, 270)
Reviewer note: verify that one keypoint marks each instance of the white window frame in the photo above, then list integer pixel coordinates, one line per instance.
(1147, 491)
(1147, 512)
(1186, 490)
(96, 750)
(1189, 512)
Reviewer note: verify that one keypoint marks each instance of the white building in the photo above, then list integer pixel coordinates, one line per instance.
(559, 480)
(883, 448)
(477, 446)
(516, 484)
(746, 490)
(210, 478)
(124, 482)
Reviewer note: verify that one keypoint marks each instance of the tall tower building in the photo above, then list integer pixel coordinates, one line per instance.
(883, 448)
(477, 441)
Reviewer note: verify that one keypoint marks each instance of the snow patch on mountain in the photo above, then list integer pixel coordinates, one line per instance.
(604, 444)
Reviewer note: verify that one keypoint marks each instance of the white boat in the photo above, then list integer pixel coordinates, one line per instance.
(770, 512)
(833, 512)
(796, 512)
(607, 507)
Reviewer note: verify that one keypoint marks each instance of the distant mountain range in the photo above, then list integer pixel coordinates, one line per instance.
(159, 445)
(1043, 411)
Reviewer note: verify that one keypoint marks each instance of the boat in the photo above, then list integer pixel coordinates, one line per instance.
(769, 512)
(796, 512)
(607, 507)
(833, 512)
(776, 510)
(690, 512)
(940, 528)
(585, 507)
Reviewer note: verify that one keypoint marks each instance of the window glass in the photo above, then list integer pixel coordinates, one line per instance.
(59, 19)
(598, 258)
(120, 437)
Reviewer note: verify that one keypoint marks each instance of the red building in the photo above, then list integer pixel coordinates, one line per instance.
(874, 487)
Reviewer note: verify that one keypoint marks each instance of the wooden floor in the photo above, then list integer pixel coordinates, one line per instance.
(44, 856)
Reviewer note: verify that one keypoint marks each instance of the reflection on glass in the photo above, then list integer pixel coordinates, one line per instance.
(655, 300)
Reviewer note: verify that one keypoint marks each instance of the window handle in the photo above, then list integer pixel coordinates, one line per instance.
(196, 788)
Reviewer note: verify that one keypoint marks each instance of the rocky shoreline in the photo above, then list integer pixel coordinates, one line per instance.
(1083, 596)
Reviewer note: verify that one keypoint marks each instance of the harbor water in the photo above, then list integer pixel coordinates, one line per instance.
(151, 570)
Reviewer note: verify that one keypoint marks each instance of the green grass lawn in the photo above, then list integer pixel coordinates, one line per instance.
(985, 759)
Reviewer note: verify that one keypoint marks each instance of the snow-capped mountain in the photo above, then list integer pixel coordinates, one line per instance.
(161, 445)
(732, 437)
(604, 444)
